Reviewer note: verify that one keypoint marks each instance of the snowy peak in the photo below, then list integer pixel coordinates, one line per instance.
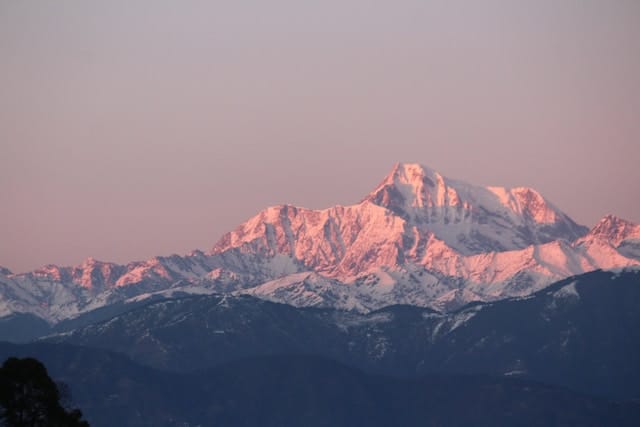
(469, 218)
(615, 230)
(90, 274)
(614, 240)
(97, 274)
(52, 272)
(411, 185)
(528, 203)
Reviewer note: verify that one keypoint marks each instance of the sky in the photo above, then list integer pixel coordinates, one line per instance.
(130, 129)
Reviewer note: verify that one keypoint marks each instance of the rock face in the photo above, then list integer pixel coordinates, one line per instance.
(418, 238)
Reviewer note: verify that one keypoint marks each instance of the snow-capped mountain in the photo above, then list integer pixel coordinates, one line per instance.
(413, 211)
(418, 238)
(611, 242)
(472, 219)
(429, 240)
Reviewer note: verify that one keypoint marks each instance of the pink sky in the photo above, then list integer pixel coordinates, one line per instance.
(132, 130)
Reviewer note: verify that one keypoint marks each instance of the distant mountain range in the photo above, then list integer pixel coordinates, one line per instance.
(418, 239)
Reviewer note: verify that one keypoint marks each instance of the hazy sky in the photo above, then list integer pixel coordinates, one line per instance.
(137, 128)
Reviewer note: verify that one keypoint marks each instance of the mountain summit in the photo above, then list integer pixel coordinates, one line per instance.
(418, 238)
(615, 230)
(472, 219)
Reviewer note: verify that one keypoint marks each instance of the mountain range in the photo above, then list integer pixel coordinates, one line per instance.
(418, 238)
(578, 333)
(564, 356)
(429, 302)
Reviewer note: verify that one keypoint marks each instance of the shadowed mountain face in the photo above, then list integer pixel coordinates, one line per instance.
(310, 391)
(579, 333)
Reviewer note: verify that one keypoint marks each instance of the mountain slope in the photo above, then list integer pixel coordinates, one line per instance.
(580, 333)
(291, 390)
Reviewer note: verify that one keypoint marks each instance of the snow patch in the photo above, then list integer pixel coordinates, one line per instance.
(567, 291)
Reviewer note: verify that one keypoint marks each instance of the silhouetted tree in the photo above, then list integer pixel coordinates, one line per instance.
(30, 398)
